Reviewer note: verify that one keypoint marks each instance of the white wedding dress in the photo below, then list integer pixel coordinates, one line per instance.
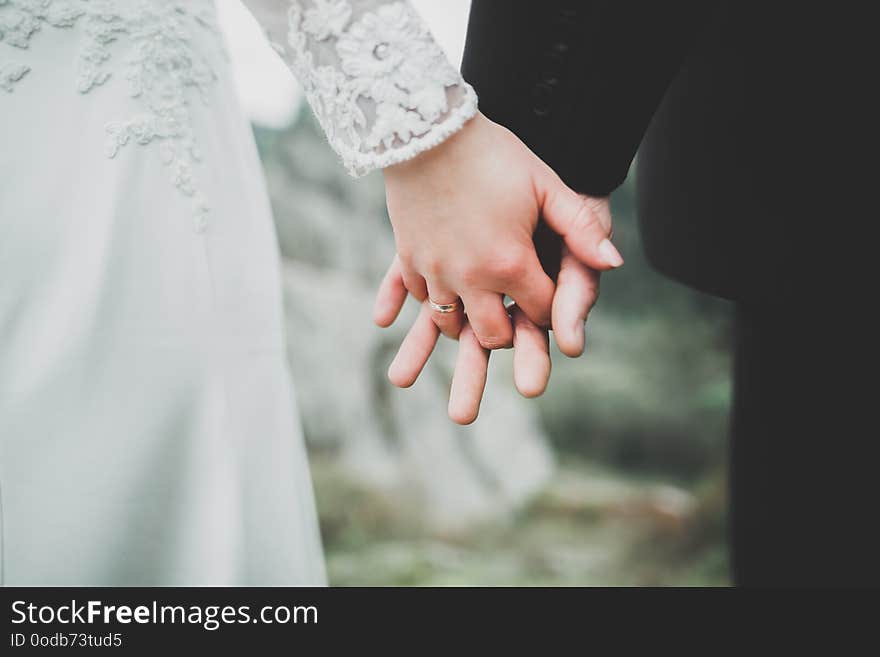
(148, 434)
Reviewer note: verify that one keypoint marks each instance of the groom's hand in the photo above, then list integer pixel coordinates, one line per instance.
(577, 286)
(464, 214)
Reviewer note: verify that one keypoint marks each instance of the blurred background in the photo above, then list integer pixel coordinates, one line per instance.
(614, 477)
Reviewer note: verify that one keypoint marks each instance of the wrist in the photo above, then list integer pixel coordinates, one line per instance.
(453, 148)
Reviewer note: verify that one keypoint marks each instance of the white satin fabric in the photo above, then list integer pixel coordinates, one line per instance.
(148, 434)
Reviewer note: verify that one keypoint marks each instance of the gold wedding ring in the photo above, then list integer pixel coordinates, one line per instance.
(443, 308)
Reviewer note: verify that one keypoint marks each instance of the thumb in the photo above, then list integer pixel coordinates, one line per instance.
(583, 222)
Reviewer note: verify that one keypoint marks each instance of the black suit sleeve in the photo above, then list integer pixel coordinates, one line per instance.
(578, 81)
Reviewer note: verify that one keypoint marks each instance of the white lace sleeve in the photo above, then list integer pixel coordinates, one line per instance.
(381, 88)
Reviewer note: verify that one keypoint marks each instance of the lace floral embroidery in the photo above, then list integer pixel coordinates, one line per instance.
(380, 86)
(160, 66)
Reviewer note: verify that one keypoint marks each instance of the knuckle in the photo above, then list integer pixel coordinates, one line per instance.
(494, 342)
(433, 267)
(472, 274)
(585, 217)
(505, 265)
(509, 266)
(590, 294)
(406, 257)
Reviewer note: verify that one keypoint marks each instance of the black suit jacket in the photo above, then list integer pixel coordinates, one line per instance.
(747, 115)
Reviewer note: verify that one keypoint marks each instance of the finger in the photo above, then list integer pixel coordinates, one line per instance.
(414, 351)
(577, 289)
(489, 319)
(390, 297)
(449, 323)
(469, 379)
(531, 355)
(414, 282)
(533, 292)
(581, 221)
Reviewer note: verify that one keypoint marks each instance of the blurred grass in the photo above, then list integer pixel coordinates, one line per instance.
(590, 527)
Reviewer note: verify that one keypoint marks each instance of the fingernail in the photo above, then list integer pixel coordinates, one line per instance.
(609, 253)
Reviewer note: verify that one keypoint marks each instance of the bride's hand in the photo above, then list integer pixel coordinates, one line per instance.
(576, 291)
(464, 214)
